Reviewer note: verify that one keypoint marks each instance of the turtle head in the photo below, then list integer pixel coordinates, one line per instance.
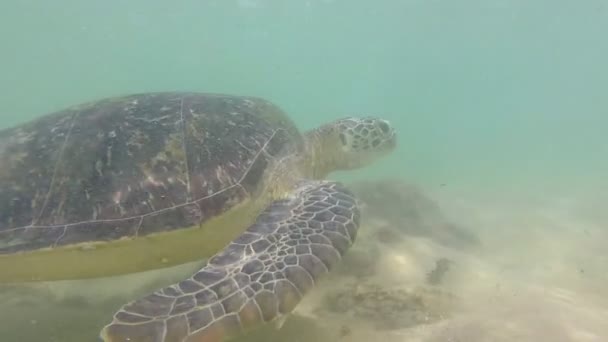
(352, 143)
(363, 140)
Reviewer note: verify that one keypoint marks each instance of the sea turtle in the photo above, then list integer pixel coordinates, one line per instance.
(145, 181)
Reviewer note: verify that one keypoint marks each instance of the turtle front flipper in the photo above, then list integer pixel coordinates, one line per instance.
(258, 278)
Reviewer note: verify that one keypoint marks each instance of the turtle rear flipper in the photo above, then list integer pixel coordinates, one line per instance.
(258, 278)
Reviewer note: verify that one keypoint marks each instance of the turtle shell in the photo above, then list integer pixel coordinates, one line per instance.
(133, 166)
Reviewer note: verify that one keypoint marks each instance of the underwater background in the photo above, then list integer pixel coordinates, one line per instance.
(483, 93)
(492, 99)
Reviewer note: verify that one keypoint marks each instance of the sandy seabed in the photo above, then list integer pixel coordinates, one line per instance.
(536, 272)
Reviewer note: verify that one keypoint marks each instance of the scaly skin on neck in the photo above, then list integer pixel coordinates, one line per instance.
(314, 158)
(321, 154)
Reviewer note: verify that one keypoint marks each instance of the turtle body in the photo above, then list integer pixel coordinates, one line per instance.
(145, 181)
(95, 178)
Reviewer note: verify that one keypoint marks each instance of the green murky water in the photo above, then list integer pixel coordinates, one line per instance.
(502, 98)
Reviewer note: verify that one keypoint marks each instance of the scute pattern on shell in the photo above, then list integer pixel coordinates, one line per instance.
(107, 169)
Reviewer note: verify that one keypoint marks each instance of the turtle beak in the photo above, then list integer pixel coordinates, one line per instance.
(390, 133)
